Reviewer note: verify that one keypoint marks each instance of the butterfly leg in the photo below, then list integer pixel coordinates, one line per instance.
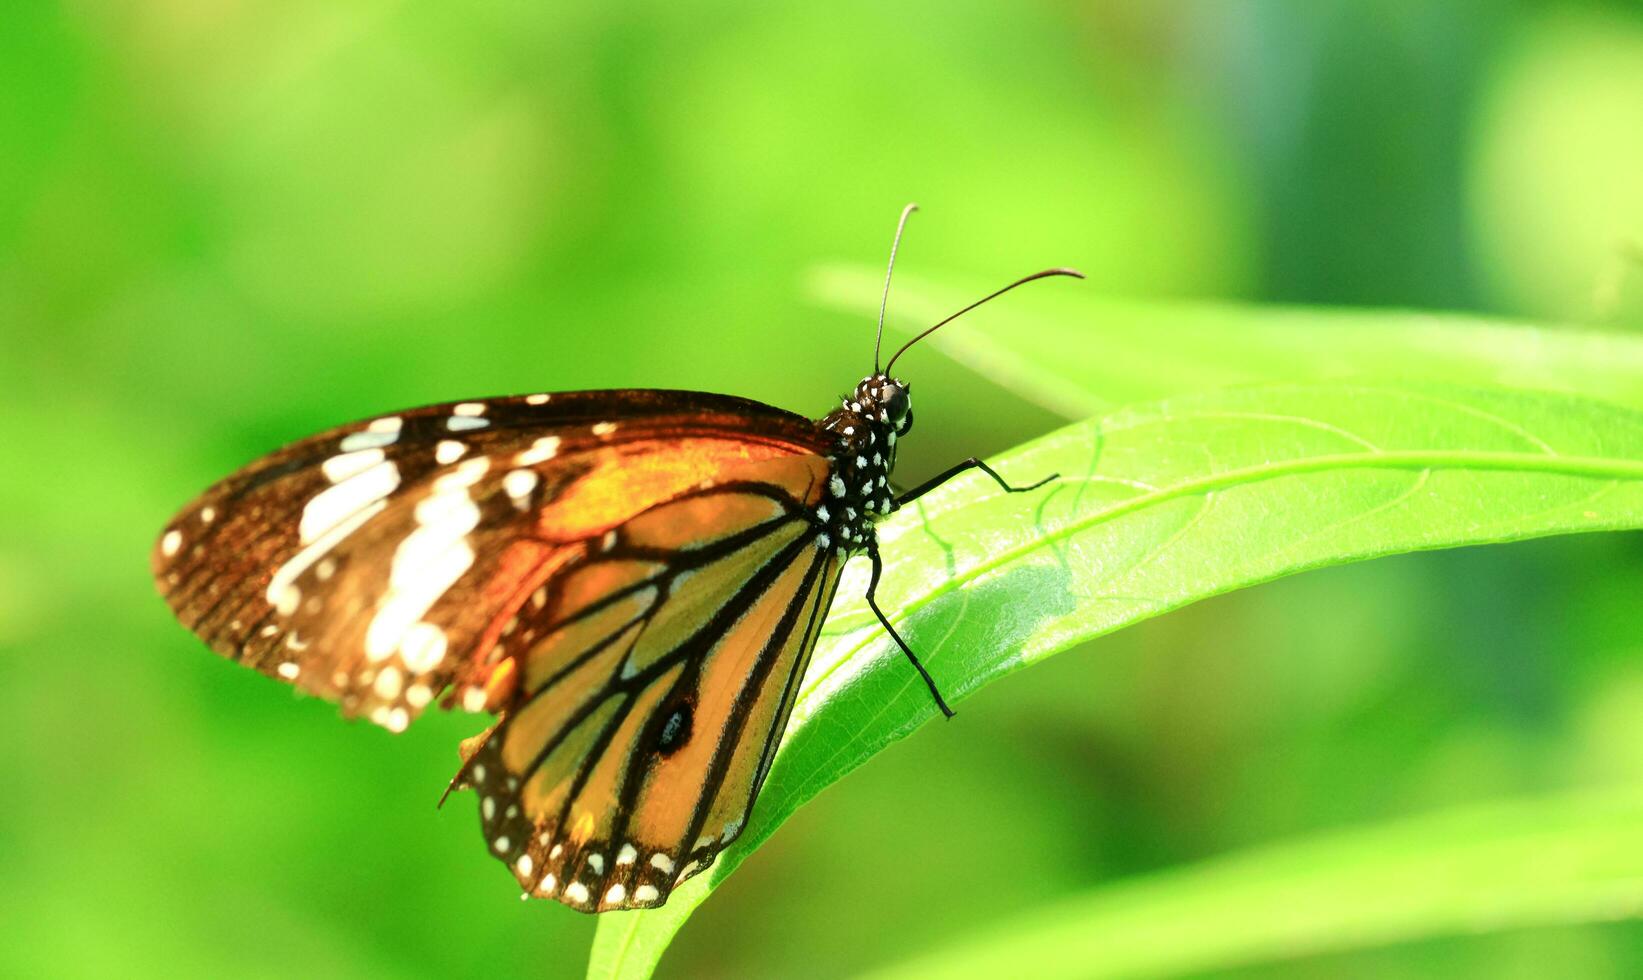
(970, 464)
(873, 604)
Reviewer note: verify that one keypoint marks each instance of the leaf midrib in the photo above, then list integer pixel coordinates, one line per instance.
(1518, 462)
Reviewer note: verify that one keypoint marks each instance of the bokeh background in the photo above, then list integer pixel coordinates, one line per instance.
(226, 224)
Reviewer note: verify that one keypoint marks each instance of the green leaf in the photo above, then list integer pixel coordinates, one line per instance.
(1068, 348)
(1159, 506)
(1564, 860)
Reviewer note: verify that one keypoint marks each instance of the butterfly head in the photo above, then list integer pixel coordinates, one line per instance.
(887, 401)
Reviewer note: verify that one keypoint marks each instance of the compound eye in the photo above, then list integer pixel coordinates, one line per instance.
(898, 405)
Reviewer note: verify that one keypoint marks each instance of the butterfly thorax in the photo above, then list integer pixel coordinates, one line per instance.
(865, 428)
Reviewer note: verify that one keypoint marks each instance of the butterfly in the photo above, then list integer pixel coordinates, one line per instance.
(630, 581)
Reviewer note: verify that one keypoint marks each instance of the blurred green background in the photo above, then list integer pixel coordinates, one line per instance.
(225, 225)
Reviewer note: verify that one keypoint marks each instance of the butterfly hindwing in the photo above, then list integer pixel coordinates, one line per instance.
(651, 696)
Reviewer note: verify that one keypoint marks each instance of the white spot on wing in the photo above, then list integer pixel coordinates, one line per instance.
(427, 563)
(449, 451)
(366, 440)
(518, 484)
(171, 542)
(423, 647)
(616, 894)
(282, 592)
(626, 855)
(604, 428)
(462, 423)
(661, 862)
(379, 432)
(285, 600)
(541, 450)
(387, 683)
(336, 504)
(536, 399)
(289, 670)
(345, 465)
(469, 409)
(576, 892)
(646, 893)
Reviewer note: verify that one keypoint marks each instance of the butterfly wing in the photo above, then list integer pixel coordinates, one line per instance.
(651, 693)
(634, 580)
(383, 562)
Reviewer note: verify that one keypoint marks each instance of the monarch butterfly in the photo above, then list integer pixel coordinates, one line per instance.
(630, 581)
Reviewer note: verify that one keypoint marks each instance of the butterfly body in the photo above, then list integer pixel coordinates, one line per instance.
(866, 427)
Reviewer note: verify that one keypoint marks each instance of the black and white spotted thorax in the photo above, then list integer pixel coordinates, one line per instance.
(865, 429)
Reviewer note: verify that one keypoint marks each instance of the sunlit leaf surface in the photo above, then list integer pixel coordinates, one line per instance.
(1078, 352)
(1159, 506)
(1577, 858)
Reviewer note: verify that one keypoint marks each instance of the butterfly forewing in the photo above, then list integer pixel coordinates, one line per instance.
(380, 563)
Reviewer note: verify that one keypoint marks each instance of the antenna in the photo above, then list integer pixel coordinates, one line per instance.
(884, 302)
(994, 295)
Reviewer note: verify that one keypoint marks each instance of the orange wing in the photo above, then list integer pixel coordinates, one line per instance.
(634, 580)
(650, 691)
(380, 563)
